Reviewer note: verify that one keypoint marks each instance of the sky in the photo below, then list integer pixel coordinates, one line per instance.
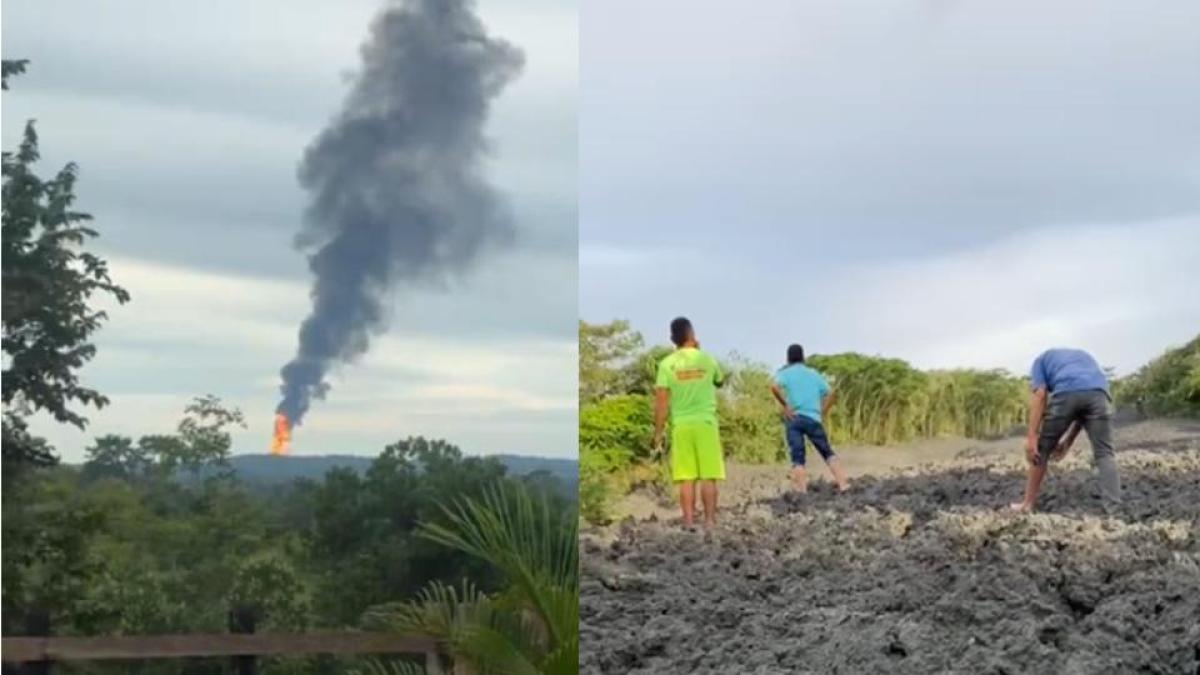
(188, 120)
(952, 183)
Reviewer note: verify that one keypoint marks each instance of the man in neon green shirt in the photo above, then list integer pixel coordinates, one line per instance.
(687, 384)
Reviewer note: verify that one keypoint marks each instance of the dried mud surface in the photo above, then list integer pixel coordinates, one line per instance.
(916, 571)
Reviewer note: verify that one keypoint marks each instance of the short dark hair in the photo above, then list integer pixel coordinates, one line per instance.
(681, 331)
(795, 354)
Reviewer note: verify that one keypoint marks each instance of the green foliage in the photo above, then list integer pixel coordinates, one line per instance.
(134, 542)
(45, 562)
(49, 281)
(113, 456)
(641, 372)
(532, 626)
(878, 400)
(881, 401)
(604, 350)
(202, 441)
(751, 429)
(623, 422)
(1167, 386)
(270, 586)
(614, 434)
(599, 486)
(362, 528)
(973, 403)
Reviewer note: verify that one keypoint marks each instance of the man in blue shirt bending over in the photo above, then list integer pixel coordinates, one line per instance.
(1068, 392)
(805, 397)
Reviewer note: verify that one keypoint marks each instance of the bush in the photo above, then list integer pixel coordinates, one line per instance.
(623, 422)
(599, 486)
(614, 434)
(751, 430)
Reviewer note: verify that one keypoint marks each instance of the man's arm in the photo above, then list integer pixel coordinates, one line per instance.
(1068, 439)
(827, 402)
(660, 415)
(1037, 406)
(778, 393)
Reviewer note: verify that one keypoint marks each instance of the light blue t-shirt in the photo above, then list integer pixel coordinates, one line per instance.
(1061, 370)
(803, 388)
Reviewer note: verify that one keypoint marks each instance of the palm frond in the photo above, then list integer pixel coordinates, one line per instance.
(376, 667)
(534, 547)
(531, 628)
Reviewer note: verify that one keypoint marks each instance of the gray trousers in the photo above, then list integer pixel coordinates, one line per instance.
(1092, 409)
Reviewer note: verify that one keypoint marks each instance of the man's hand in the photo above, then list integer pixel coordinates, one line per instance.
(788, 414)
(1065, 443)
(660, 417)
(1031, 450)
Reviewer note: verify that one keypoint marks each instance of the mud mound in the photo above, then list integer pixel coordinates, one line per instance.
(915, 572)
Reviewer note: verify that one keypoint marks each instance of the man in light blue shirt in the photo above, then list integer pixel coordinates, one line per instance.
(1069, 392)
(805, 398)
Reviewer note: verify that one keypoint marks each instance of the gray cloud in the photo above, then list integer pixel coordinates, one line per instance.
(188, 121)
(772, 162)
(881, 130)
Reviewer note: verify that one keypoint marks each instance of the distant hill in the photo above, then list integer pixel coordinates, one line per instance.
(268, 470)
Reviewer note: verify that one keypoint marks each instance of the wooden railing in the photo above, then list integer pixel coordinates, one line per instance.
(35, 654)
(50, 649)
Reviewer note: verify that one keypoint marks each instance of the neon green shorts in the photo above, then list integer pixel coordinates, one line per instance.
(696, 452)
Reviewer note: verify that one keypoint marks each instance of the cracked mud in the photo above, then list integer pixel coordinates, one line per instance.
(915, 571)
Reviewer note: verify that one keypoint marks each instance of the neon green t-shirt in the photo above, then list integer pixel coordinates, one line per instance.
(692, 377)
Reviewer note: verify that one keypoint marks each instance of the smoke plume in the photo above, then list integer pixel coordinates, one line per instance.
(395, 182)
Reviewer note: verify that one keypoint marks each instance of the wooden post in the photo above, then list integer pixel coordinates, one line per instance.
(37, 624)
(242, 620)
(433, 663)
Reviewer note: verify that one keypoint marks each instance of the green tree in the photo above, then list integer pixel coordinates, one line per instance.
(641, 373)
(363, 526)
(604, 349)
(49, 281)
(1168, 386)
(113, 456)
(614, 434)
(271, 588)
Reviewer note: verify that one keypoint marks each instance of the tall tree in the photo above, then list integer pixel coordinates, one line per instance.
(49, 281)
(604, 349)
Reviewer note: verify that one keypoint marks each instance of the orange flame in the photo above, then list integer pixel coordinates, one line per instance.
(283, 435)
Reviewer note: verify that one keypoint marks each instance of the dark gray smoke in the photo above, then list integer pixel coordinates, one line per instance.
(396, 185)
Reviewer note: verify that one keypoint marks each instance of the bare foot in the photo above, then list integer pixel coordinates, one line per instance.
(843, 489)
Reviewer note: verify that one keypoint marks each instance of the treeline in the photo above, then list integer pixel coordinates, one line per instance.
(126, 544)
(883, 401)
(1168, 386)
(879, 401)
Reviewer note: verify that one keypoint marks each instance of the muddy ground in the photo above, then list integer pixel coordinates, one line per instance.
(918, 570)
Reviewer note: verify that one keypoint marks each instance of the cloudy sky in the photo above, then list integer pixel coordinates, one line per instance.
(188, 120)
(954, 183)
